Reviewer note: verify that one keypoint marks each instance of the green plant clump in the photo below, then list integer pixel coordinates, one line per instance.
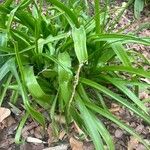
(57, 56)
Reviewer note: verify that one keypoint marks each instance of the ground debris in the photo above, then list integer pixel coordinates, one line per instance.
(75, 144)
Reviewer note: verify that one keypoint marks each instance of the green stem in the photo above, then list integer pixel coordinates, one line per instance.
(14, 96)
(5, 89)
(20, 127)
(105, 14)
(97, 16)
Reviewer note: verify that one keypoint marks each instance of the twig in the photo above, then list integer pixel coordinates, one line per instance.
(76, 80)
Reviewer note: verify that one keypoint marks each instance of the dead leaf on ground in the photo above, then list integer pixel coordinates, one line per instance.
(88, 146)
(34, 140)
(113, 110)
(51, 137)
(6, 143)
(78, 129)
(133, 143)
(62, 134)
(29, 127)
(59, 147)
(4, 113)
(143, 95)
(60, 119)
(9, 121)
(75, 144)
(38, 132)
(118, 133)
(146, 80)
(31, 146)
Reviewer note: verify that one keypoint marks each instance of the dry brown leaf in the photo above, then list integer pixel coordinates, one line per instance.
(143, 95)
(78, 129)
(75, 144)
(59, 147)
(38, 132)
(6, 143)
(62, 134)
(146, 80)
(9, 121)
(29, 127)
(118, 133)
(4, 113)
(34, 140)
(60, 119)
(133, 143)
(51, 137)
(113, 110)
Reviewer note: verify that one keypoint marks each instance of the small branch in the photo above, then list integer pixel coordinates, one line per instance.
(76, 80)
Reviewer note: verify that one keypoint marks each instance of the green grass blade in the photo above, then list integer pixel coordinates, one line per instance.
(138, 7)
(136, 71)
(100, 98)
(65, 76)
(41, 43)
(79, 38)
(121, 53)
(90, 124)
(111, 117)
(20, 127)
(104, 133)
(11, 16)
(52, 114)
(34, 87)
(3, 39)
(5, 68)
(35, 114)
(117, 98)
(3, 94)
(119, 38)
(82, 92)
(105, 57)
(97, 16)
(128, 93)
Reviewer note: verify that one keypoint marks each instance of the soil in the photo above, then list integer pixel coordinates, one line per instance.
(122, 140)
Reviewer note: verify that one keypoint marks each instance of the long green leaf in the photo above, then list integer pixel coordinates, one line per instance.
(20, 127)
(79, 38)
(128, 93)
(121, 53)
(119, 38)
(41, 43)
(138, 7)
(100, 127)
(5, 68)
(132, 70)
(111, 117)
(3, 94)
(104, 133)
(35, 114)
(65, 75)
(90, 124)
(117, 98)
(34, 87)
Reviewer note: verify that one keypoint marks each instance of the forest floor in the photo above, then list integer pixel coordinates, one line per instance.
(37, 139)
